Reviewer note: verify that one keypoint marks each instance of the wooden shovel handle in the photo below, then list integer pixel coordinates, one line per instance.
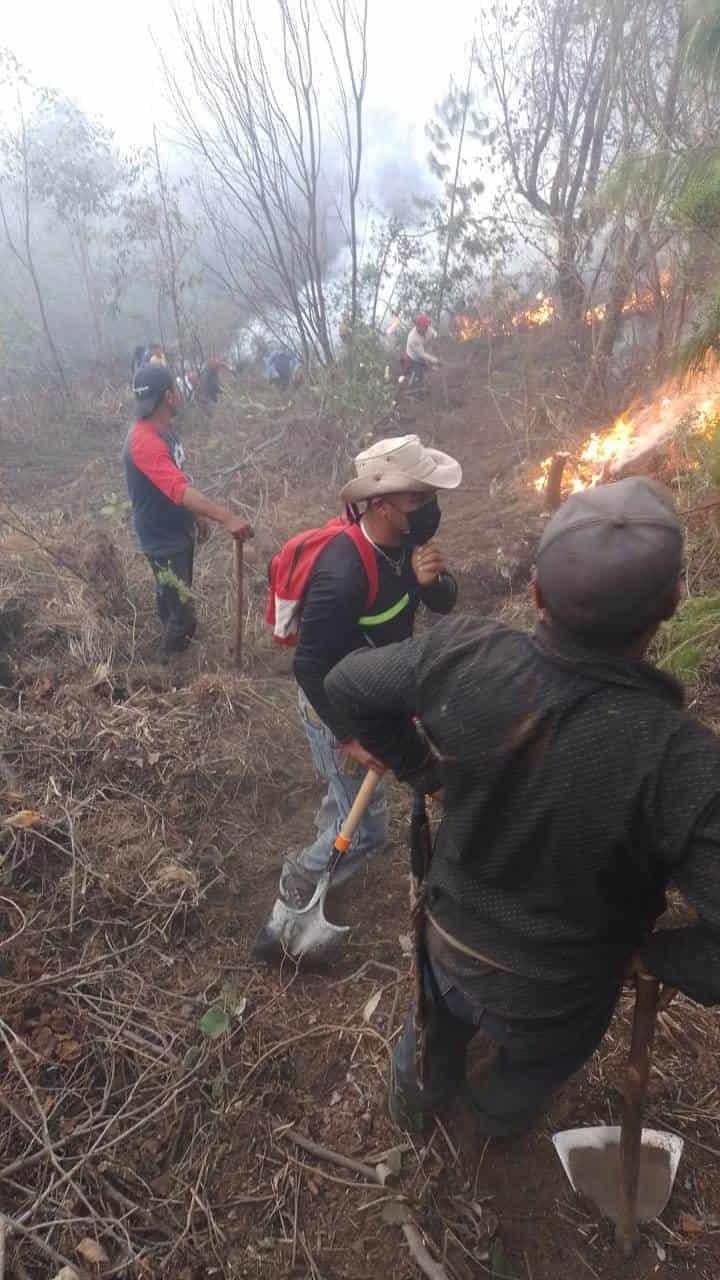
(637, 1074)
(357, 812)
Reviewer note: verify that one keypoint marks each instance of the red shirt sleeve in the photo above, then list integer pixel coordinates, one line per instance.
(151, 456)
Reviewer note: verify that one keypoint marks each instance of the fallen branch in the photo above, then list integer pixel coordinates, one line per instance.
(11, 1225)
(6, 941)
(245, 462)
(422, 1257)
(333, 1157)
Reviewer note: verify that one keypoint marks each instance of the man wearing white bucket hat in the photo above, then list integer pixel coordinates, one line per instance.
(362, 589)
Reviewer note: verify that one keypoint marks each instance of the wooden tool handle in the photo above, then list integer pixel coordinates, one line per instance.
(637, 1074)
(357, 812)
(238, 645)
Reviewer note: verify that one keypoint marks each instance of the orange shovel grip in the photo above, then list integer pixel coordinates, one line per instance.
(357, 812)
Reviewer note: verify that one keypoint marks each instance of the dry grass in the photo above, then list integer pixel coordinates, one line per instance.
(137, 808)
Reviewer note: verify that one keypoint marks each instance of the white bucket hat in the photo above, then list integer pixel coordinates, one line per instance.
(400, 464)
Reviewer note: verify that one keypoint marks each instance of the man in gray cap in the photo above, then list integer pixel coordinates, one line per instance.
(576, 788)
(394, 515)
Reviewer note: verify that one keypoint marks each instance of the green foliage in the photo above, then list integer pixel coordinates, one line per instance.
(215, 1023)
(684, 179)
(166, 578)
(702, 45)
(698, 198)
(354, 392)
(689, 639)
(712, 450)
(218, 1019)
(697, 445)
(115, 507)
(705, 339)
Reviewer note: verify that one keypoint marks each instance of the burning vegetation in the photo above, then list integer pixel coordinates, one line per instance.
(634, 437)
(545, 312)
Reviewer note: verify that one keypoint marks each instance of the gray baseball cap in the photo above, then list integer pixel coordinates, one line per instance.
(610, 557)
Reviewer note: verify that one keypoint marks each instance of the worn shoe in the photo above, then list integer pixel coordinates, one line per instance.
(405, 1113)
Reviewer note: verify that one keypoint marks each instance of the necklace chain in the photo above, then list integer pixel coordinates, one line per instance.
(397, 566)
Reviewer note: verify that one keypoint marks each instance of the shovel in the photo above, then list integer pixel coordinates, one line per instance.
(626, 1171)
(304, 931)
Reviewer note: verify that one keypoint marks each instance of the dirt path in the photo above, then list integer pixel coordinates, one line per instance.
(310, 1049)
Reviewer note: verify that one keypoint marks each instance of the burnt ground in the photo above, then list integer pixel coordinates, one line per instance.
(203, 774)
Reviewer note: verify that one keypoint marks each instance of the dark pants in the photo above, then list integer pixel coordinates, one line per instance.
(416, 375)
(173, 583)
(528, 1059)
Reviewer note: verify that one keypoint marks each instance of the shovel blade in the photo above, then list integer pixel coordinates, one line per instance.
(304, 931)
(591, 1160)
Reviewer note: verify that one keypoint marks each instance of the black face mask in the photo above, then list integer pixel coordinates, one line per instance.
(423, 523)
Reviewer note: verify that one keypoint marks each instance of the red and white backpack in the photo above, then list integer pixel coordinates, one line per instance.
(289, 573)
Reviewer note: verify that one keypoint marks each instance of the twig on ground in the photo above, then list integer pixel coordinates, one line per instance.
(586, 1264)
(420, 1253)
(6, 941)
(333, 1157)
(11, 1225)
(450, 1145)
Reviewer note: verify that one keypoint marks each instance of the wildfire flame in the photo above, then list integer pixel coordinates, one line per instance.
(543, 313)
(469, 326)
(605, 453)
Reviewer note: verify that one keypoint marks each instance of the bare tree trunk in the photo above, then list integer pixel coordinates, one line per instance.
(264, 150)
(90, 294)
(26, 259)
(352, 105)
(453, 198)
(47, 330)
(378, 282)
(570, 285)
(620, 287)
(172, 266)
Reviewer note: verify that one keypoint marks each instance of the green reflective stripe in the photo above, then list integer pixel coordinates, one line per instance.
(377, 619)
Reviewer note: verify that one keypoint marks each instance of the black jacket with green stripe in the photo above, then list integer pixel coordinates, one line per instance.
(336, 621)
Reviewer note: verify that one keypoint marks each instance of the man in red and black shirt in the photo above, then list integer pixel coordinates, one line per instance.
(167, 510)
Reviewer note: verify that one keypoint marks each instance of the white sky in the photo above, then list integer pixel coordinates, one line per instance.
(100, 53)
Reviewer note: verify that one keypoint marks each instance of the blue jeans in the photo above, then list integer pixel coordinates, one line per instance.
(528, 1059)
(343, 777)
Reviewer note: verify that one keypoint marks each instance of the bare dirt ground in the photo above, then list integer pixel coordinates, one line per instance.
(145, 818)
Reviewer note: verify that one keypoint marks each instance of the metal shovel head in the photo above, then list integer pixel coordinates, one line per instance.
(591, 1160)
(304, 931)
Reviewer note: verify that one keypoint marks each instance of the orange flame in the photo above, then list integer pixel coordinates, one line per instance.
(536, 317)
(468, 326)
(604, 454)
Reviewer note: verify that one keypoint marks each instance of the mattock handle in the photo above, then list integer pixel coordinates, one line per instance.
(637, 1074)
(238, 638)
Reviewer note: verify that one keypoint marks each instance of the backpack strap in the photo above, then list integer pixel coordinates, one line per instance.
(366, 551)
